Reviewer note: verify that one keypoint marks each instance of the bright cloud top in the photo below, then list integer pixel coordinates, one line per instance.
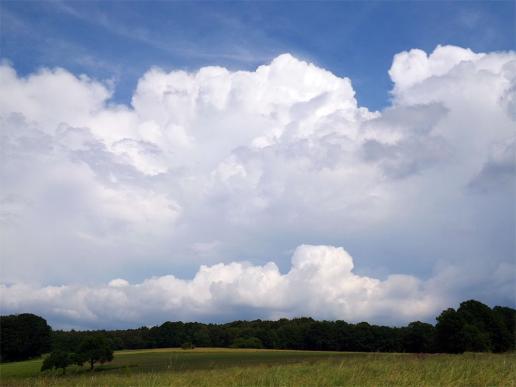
(219, 165)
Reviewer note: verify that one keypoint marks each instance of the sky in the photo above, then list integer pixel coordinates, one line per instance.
(213, 161)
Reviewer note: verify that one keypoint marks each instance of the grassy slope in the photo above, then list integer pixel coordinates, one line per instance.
(209, 367)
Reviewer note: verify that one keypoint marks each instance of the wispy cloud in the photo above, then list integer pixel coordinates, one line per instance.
(168, 44)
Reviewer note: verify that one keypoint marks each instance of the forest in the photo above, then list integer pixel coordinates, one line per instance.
(473, 327)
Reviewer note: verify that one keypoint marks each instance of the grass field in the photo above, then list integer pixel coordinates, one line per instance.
(235, 367)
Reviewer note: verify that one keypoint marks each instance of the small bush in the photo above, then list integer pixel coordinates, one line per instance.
(249, 342)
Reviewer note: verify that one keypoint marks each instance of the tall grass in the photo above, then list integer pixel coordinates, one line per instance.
(348, 370)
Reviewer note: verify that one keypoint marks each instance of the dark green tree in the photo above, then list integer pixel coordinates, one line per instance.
(475, 339)
(94, 349)
(201, 338)
(292, 333)
(507, 316)
(57, 359)
(418, 337)
(505, 338)
(449, 332)
(485, 329)
(23, 336)
(363, 338)
(322, 336)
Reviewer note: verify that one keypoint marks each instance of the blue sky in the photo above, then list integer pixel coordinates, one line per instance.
(213, 161)
(120, 40)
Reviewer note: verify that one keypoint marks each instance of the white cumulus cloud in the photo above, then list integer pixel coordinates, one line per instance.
(212, 167)
(320, 283)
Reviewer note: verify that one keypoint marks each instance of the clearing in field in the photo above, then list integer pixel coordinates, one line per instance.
(238, 367)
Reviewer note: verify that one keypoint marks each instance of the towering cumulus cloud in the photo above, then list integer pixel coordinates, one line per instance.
(215, 168)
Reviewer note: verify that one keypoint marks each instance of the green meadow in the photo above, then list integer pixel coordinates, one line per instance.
(246, 367)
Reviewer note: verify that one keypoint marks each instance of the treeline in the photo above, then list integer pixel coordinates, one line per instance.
(472, 327)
